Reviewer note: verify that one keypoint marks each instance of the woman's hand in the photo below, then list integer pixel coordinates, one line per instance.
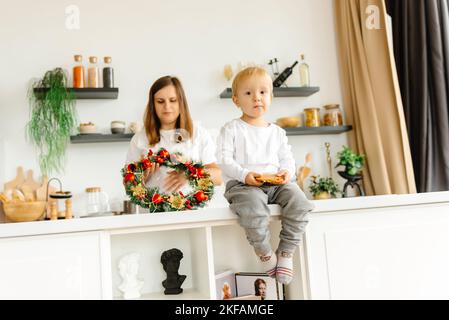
(175, 181)
(215, 173)
(149, 172)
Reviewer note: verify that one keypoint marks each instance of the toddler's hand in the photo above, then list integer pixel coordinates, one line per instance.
(250, 179)
(285, 176)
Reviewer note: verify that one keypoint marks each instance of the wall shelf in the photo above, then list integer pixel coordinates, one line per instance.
(281, 92)
(299, 131)
(304, 131)
(99, 138)
(87, 93)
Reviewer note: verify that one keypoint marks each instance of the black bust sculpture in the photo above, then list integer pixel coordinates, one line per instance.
(170, 260)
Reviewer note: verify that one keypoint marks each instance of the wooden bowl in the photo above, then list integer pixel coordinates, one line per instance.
(88, 128)
(288, 122)
(24, 211)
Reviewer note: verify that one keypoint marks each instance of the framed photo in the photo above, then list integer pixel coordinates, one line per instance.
(258, 284)
(250, 297)
(225, 285)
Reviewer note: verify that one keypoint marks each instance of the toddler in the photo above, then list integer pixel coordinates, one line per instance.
(249, 147)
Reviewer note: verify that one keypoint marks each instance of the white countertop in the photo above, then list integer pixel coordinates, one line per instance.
(216, 213)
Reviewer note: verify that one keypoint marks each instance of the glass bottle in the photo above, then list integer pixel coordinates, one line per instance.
(97, 201)
(304, 74)
(92, 73)
(108, 74)
(78, 72)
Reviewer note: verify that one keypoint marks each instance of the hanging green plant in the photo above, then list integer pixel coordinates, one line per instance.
(53, 119)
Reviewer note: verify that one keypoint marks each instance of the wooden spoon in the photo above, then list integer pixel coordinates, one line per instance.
(304, 171)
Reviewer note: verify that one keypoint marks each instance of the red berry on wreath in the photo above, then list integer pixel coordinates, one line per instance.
(131, 167)
(130, 177)
(146, 164)
(157, 198)
(160, 160)
(200, 173)
(200, 196)
(164, 154)
(150, 153)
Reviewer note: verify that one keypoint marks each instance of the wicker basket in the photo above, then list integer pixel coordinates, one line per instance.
(24, 211)
(288, 122)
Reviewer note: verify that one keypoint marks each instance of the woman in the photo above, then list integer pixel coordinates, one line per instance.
(260, 288)
(168, 125)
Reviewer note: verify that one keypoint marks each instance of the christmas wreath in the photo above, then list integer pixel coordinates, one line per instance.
(152, 198)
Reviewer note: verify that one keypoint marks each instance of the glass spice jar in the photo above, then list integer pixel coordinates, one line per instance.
(332, 115)
(78, 72)
(312, 117)
(93, 73)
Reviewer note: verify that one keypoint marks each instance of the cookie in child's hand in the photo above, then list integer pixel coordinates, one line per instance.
(270, 179)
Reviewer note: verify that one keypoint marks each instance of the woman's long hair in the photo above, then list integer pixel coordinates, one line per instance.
(151, 120)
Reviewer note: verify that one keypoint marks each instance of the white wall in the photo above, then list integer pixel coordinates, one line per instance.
(148, 39)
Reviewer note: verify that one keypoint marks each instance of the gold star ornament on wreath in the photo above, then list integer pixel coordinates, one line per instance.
(152, 198)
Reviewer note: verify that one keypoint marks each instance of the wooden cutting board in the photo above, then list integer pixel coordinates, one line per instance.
(29, 187)
(19, 180)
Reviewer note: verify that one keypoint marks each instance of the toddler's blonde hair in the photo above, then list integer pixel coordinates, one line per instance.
(247, 73)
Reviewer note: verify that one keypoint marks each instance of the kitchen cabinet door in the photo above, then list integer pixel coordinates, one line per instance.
(51, 267)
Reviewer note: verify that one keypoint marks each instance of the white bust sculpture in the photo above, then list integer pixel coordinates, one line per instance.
(128, 268)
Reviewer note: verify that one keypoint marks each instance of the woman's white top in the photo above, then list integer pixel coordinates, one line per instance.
(200, 148)
(244, 148)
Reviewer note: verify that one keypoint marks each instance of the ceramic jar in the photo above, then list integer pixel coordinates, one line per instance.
(118, 127)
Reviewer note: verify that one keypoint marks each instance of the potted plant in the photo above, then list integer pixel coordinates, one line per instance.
(352, 162)
(323, 188)
(53, 119)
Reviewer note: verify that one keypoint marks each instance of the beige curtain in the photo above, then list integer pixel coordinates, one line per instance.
(372, 98)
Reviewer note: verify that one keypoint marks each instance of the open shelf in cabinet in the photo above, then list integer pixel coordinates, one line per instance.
(195, 264)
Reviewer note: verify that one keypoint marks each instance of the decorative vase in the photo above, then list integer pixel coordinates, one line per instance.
(322, 196)
(352, 181)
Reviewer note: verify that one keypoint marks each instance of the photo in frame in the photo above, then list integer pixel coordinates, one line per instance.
(225, 285)
(258, 284)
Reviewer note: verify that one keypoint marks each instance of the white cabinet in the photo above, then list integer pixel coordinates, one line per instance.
(64, 266)
(387, 253)
(367, 248)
